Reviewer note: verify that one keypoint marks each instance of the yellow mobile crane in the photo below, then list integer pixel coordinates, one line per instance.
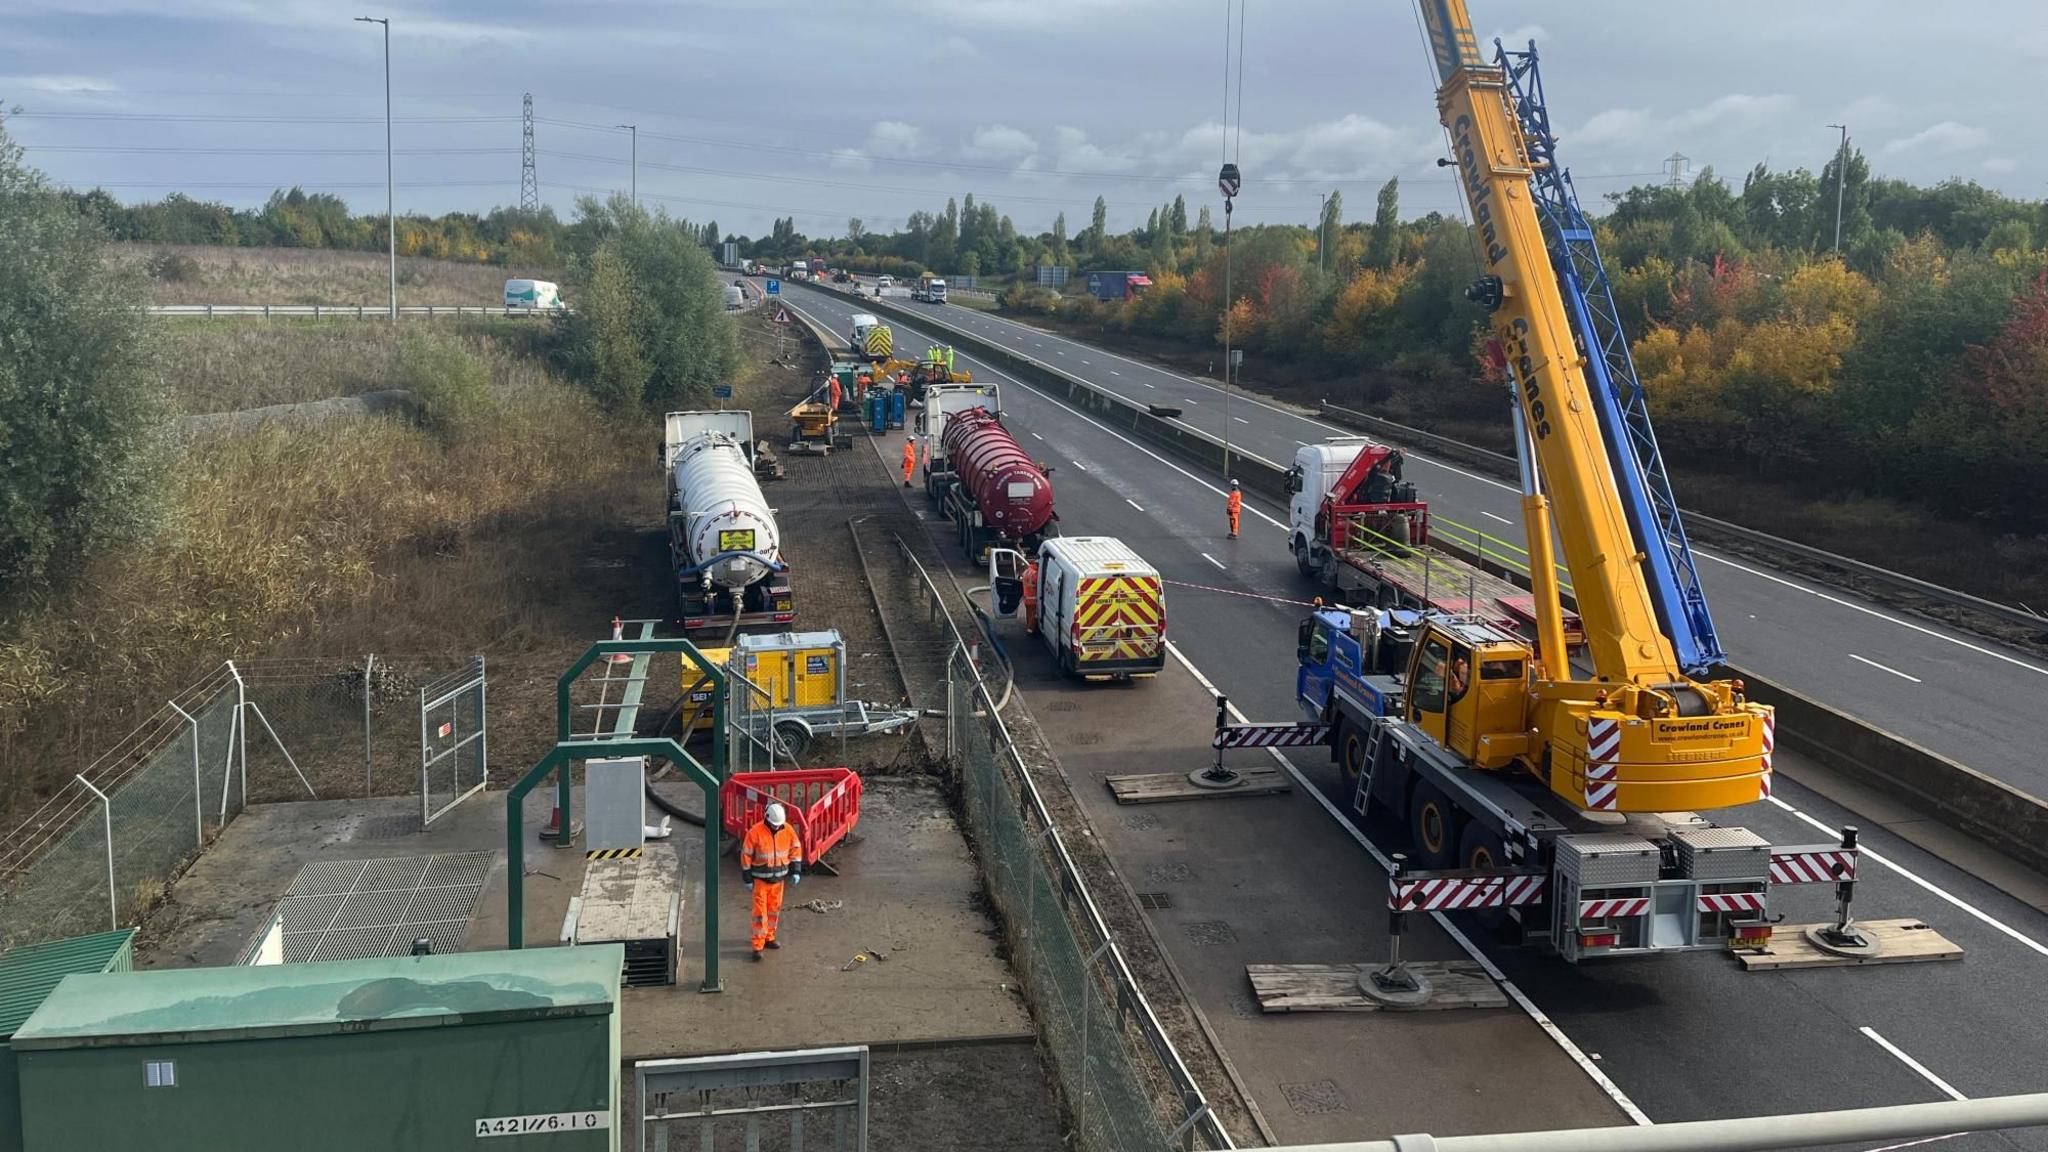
(1570, 795)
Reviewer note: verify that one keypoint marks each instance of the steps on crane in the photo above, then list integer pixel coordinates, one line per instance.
(1160, 787)
(1907, 941)
(1334, 987)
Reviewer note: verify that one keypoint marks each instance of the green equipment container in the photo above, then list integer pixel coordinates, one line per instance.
(412, 1052)
(27, 976)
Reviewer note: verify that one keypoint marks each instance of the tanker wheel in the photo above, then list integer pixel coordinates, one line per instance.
(1430, 828)
(1480, 847)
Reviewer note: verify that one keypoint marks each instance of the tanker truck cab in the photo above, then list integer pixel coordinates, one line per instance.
(1101, 609)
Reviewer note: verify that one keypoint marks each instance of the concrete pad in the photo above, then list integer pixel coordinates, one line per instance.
(1274, 880)
(907, 890)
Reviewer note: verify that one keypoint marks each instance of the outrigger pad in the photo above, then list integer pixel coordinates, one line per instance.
(1905, 941)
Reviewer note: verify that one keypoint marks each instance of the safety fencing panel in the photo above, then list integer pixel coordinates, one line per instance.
(454, 739)
(104, 848)
(809, 1100)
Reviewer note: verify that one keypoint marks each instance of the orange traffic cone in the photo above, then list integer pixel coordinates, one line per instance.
(619, 633)
(553, 831)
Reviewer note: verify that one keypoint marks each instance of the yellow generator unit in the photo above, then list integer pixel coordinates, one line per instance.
(794, 669)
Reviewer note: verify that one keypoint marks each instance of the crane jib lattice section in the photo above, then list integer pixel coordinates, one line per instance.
(1619, 401)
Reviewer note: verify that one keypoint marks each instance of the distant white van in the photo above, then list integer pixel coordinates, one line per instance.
(532, 295)
(863, 323)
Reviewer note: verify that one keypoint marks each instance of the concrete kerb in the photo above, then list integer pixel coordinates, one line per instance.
(2010, 821)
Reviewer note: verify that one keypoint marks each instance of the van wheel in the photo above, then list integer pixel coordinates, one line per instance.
(1431, 827)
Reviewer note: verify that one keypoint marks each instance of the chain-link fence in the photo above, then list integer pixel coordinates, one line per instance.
(102, 850)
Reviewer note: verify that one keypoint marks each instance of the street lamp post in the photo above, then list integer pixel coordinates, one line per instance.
(390, 196)
(635, 130)
(1841, 177)
(1322, 228)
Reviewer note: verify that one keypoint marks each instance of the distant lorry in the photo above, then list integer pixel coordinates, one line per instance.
(1118, 285)
(532, 296)
(817, 268)
(930, 289)
(1100, 608)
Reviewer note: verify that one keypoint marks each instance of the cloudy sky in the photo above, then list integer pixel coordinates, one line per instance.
(825, 109)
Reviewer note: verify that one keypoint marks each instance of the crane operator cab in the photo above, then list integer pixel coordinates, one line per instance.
(1468, 689)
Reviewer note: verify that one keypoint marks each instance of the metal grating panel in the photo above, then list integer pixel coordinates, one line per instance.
(359, 909)
(327, 877)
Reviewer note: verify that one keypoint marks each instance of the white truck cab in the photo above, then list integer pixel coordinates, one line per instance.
(863, 323)
(1317, 468)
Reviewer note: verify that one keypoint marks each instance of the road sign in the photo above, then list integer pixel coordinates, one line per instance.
(782, 315)
(775, 287)
(721, 391)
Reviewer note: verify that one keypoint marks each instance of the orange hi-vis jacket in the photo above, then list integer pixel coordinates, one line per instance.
(1236, 502)
(771, 855)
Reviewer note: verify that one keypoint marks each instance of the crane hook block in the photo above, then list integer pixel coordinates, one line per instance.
(1488, 292)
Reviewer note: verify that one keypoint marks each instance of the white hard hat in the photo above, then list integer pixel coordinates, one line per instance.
(1233, 483)
(774, 815)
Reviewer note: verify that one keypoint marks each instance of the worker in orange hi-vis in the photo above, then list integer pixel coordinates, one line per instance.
(909, 459)
(836, 393)
(1236, 505)
(1031, 595)
(861, 384)
(770, 856)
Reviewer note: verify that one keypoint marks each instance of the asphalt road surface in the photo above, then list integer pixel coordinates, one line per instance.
(1685, 1037)
(1965, 697)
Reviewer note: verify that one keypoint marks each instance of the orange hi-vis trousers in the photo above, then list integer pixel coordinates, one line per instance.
(767, 911)
(909, 461)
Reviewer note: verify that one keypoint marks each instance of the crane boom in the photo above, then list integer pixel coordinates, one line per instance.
(1624, 635)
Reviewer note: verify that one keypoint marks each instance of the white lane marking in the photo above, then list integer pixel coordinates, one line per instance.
(1084, 361)
(1213, 560)
(1926, 885)
(1114, 372)
(1133, 503)
(1925, 1072)
(1240, 419)
(1542, 1019)
(1081, 466)
(1882, 668)
(1148, 385)
(1916, 1143)
(1059, 352)
(1491, 516)
(2015, 662)
(1196, 403)
(1036, 436)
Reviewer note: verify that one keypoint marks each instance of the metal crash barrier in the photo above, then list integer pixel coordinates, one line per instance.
(1748, 1134)
(717, 1102)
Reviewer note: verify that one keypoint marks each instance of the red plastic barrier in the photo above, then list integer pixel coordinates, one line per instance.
(823, 803)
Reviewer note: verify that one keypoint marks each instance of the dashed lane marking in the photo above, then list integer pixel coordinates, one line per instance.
(1884, 668)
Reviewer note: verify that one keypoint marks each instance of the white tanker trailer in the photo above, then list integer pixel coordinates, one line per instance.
(722, 539)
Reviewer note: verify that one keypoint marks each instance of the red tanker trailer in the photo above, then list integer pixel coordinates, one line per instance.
(999, 495)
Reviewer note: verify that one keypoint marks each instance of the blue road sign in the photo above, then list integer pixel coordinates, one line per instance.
(775, 287)
(721, 391)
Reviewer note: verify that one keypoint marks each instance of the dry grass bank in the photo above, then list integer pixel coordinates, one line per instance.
(229, 364)
(203, 274)
(339, 539)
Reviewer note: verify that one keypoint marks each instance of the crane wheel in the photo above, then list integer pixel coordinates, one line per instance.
(1351, 751)
(1480, 847)
(1431, 827)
